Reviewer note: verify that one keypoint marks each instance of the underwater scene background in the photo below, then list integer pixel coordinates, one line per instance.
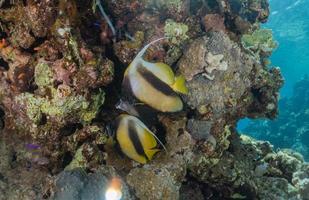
(142, 99)
(289, 21)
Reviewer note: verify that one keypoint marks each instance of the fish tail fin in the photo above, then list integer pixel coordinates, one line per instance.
(180, 85)
(154, 135)
(151, 152)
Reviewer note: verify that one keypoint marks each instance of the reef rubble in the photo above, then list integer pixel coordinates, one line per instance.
(61, 68)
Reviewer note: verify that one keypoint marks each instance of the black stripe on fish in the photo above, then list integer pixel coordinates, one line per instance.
(133, 135)
(155, 81)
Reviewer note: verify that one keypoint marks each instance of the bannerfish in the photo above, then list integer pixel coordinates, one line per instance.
(154, 84)
(135, 140)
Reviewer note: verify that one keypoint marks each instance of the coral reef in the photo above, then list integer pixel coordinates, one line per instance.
(61, 70)
(288, 130)
(175, 31)
(236, 173)
(259, 42)
(59, 86)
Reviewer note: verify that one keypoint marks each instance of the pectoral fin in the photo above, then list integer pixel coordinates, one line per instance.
(180, 85)
(151, 152)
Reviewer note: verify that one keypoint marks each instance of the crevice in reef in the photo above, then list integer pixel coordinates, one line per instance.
(38, 42)
(4, 65)
(67, 158)
(1, 119)
(69, 129)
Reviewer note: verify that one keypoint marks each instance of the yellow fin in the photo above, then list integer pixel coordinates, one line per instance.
(180, 85)
(150, 139)
(147, 139)
(151, 152)
(149, 142)
(140, 159)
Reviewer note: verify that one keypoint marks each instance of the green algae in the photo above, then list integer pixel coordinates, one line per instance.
(61, 102)
(61, 107)
(260, 40)
(176, 32)
(43, 75)
(74, 48)
(33, 105)
(92, 109)
(225, 142)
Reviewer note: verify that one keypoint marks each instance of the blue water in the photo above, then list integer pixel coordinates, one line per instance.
(289, 20)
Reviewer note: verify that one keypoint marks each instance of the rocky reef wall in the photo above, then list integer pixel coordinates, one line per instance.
(290, 128)
(61, 67)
